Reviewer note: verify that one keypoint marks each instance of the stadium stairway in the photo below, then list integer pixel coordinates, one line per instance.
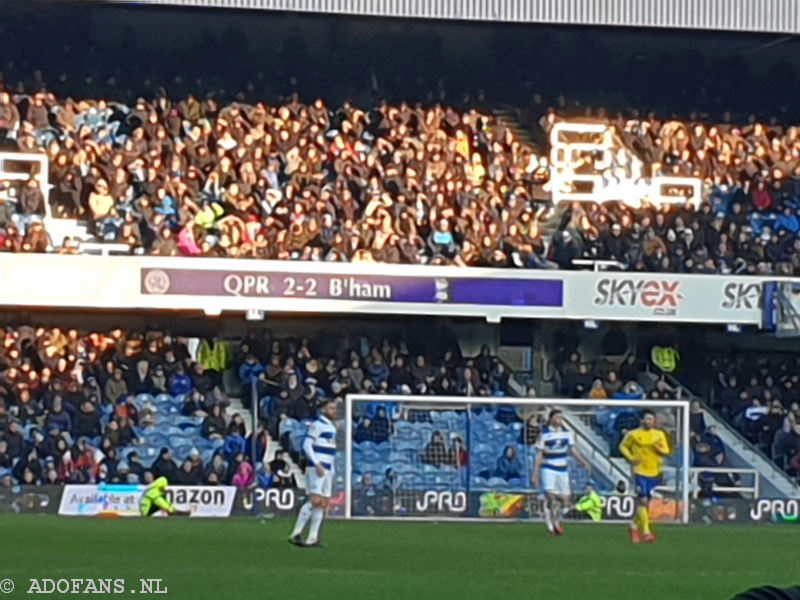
(775, 483)
(511, 118)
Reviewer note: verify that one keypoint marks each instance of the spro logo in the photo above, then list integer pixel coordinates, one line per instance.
(443, 502)
(742, 296)
(619, 507)
(766, 510)
(662, 297)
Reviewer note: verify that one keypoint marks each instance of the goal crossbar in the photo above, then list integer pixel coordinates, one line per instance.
(681, 405)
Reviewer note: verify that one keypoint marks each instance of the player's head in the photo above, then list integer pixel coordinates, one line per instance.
(329, 408)
(556, 418)
(648, 419)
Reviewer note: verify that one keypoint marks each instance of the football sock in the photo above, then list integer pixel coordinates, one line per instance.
(548, 517)
(643, 519)
(316, 521)
(302, 518)
(555, 511)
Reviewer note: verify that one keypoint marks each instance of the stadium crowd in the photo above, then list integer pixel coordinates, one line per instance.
(397, 183)
(87, 406)
(760, 395)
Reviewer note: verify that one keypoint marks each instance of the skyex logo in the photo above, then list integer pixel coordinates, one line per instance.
(738, 296)
(662, 296)
(455, 502)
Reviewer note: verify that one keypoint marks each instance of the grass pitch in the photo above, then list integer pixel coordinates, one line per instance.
(247, 558)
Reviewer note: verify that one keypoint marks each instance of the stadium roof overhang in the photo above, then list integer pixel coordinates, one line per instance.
(765, 16)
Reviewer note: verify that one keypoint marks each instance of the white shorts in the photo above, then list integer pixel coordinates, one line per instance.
(320, 486)
(555, 482)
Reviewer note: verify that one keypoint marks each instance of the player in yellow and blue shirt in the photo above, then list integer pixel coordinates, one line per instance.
(645, 448)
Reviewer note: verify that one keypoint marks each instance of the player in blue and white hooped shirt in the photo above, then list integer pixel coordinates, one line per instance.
(319, 447)
(555, 444)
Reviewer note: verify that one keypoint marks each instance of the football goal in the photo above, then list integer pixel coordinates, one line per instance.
(447, 457)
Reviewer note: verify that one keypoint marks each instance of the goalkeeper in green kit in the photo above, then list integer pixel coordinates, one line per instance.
(154, 499)
(591, 503)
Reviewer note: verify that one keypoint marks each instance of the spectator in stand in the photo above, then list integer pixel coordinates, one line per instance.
(436, 452)
(6, 460)
(237, 426)
(379, 429)
(140, 381)
(86, 422)
(215, 470)
(180, 384)
(598, 390)
(244, 476)
(164, 465)
(366, 496)
(214, 424)
(697, 421)
(363, 431)
(509, 465)
(460, 454)
(116, 387)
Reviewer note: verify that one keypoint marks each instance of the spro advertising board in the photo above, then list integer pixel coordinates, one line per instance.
(722, 510)
(495, 505)
(123, 500)
(215, 285)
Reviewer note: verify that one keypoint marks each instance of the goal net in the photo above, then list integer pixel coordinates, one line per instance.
(432, 457)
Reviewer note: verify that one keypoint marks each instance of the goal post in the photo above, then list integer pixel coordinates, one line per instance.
(455, 457)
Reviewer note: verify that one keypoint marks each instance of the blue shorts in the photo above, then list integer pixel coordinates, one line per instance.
(645, 486)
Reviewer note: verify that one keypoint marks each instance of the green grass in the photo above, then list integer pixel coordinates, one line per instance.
(249, 559)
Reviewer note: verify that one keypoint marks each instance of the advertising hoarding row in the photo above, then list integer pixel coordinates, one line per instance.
(226, 501)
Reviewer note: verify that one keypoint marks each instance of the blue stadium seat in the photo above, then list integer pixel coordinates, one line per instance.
(403, 429)
(156, 439)
(406, 445)
(406, 468)
(411, 480)
(479, 483)
(367, 446)
(395, 458)
(182, 452)
(143, 399)
(498, 482)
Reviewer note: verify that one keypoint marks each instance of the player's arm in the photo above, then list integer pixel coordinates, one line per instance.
(661, 445)
(573, 450)
(626, 449)
(537, 463)
(308, 449)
